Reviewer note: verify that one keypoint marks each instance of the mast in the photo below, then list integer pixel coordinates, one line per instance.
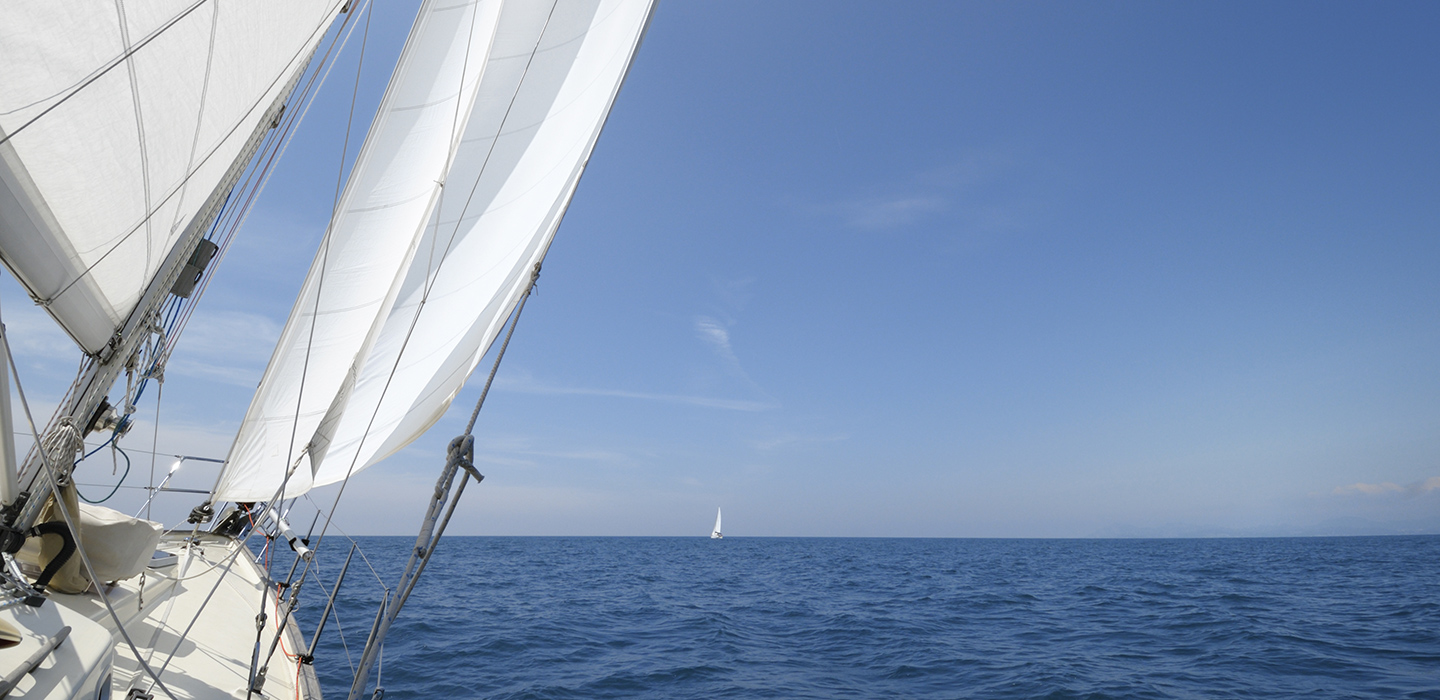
(102, 368)
(9, 467)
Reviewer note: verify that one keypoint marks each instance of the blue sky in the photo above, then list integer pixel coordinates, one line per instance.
(930, 269)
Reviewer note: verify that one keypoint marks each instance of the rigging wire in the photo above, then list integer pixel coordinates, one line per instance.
(325, 249)
(177, 311)
(234, 222)
(200, 114)
(175, 314)
(181, 312)
(140, 130)
(72, 519)
(121, 240)
(351, 540)
(105, 69)
(154, 441)
(309, 345)
(420, 307)
(256, 183)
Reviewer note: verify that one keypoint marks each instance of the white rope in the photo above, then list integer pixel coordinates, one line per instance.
(71, 519)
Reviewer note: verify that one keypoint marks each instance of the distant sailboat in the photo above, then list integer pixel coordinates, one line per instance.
(715, 534)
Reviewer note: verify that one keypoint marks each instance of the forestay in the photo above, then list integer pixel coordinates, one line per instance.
(117, 122)
(353, 280)
(550, 76)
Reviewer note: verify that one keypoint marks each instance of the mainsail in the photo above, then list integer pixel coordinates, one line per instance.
(117, 123)
(549, 76)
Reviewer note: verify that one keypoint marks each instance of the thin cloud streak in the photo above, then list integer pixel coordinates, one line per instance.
(715, 334)
(246, 377)
(927, 194)
(1384, 487)
(795, 439)
(892, 212)
(231, 347)
(717, 337)
(699, 401)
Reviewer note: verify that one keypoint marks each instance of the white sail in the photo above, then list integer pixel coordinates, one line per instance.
(117, 122)
(392, 190)
(524, 151)
(550, 77)
(716, 534)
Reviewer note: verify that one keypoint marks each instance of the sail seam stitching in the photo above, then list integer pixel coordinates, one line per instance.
(355, 458)
(140, 136)
(100, 73)
(125, 237)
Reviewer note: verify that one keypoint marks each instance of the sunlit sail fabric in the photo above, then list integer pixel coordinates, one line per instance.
(550, 78)
(354, 278)
(118, 121)
(521, 161)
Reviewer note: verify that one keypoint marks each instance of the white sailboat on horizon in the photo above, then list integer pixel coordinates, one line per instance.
(715, 534)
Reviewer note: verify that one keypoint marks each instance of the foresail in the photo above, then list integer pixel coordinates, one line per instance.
(354, 278)
(552, 77)
(431, 290)
(117, 123)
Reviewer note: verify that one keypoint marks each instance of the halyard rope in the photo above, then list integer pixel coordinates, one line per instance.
(72, 520)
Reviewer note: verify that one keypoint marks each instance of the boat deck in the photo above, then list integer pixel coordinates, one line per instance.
(213, 658)
(193, 622)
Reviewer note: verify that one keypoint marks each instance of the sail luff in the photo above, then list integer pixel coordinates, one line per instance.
(525, 150)
(104, 138)
(108, 362)
(354, 384)
(393, 187)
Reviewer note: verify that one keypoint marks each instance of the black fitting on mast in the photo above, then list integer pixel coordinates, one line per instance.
(201, 514)
(7, 519)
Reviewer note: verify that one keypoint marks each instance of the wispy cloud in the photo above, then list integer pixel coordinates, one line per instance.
(581, 455)
(1368, 489)
(926, 194)
(1384, 487)
(488, 458)
(797, 439)
(892, 212)
(33, 333)
(531, 387)
(227, 346)
(234, 376)
(716, 334)
(517, 451)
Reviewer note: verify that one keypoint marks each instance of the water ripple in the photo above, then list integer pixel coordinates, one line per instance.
(564, 618)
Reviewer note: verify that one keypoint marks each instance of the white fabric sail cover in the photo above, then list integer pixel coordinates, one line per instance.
(551, 74)
(391, 192)
(118, 120)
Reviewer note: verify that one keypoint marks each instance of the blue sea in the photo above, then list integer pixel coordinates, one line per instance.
(598, 617)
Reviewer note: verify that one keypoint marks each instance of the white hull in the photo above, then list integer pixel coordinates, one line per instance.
(212, 661)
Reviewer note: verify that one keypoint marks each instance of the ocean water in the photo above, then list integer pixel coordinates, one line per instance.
(596, 617)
